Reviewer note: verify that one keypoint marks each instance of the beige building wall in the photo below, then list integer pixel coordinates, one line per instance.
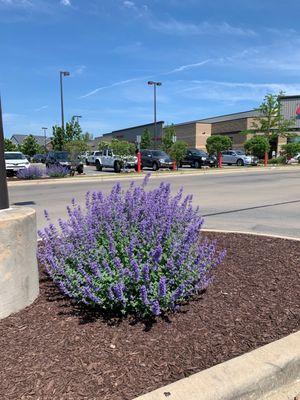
(186, 132)
(203, 131)
(232, 126)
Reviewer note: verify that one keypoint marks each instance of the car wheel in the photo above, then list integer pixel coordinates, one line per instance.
(155, 166)
(87, 163)
(98, 166)
(240, 162)
(197, 164)
(117, 166)
(229, 164)
(80, 169)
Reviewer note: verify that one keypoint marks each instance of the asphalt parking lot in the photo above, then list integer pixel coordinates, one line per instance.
(265, 201)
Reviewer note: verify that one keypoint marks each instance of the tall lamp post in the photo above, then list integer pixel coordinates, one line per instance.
(3, 184)
(154, 84)
(45, 137)
(77, 117)
(61, 75)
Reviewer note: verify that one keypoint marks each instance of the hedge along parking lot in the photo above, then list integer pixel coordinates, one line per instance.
(57, 350)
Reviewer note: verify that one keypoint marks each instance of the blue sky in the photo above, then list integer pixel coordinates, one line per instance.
(213, 57)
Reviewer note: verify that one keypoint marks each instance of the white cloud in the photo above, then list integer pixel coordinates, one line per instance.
(79, 70)
(66, 3)
(119, 83)
(129, 4)
(17, 3)
(41, 108)
(187, 66)
(174, 26)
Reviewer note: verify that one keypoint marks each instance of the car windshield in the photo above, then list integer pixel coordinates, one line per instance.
(61, 156)
(159, 153)
(240, 152)
(198, 153)
(14, 156)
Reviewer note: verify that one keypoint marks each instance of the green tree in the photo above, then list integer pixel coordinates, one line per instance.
(104, 145)
(291, 149)
(30, 146)
(270, 121)
(73, 131)
(122, 147)
(217, 143)
(77, 146)
(257, 145)
(168, 138)
(58, 138)
(146, 139)
(9, 145)
(178, 151)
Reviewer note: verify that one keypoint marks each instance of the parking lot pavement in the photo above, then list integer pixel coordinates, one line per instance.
(264, 202)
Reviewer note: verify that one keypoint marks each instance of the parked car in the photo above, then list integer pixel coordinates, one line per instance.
(156, 159)
(294, 160)
(64, 159)
(107, 159)
(198, 158)
(90, 158)
(14, 161)
(39, 158)
(238, 157)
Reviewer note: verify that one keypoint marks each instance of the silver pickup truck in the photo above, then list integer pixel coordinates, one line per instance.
(107, 159)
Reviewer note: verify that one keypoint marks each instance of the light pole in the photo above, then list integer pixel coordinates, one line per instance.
(77, 117)
(61, 75)
(154, 84)
(45, 138)
(3, 184)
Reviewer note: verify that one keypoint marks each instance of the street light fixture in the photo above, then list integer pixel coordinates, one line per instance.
(77, 116)
(45, 137)
(154, 84)
(61, 75)
(3, 184)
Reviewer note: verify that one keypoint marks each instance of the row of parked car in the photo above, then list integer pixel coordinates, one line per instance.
(157, 159)
(154, 159)
(15, 160)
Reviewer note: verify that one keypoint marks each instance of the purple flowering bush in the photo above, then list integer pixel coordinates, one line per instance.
(132, 251)
(57, 171)
(32, 172)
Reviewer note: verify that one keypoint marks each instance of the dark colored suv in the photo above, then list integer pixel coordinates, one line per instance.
(156, 159)
(63, 158)
(198, 158)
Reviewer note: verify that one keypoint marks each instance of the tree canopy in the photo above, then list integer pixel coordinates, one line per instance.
(168, 138)
(178, 151)
(146, 139)
(257, 145)
(217, 143)
(9, 145)
(30, 146)
(270, 120)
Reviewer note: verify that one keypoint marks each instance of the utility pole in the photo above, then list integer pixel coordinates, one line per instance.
(4, 203)
(45, 138)
(61, 75)
(155, 84)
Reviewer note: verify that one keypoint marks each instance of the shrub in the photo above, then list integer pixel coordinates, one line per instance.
(257, 145)
(277, 160)
(135, 252)
(32, 172)
(217, 143)
(57, 171)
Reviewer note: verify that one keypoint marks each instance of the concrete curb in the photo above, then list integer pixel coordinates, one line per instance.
(250, 376)
(167, 174)
(252, 233)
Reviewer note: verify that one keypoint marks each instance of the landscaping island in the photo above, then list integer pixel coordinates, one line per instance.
(56, 350)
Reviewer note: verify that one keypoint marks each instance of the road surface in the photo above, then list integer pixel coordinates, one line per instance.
(263, 202)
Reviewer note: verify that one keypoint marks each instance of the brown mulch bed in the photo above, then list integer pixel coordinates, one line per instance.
(52, 350)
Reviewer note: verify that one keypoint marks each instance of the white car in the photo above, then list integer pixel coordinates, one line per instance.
(107, 159)
(294, 160)
(14, 161)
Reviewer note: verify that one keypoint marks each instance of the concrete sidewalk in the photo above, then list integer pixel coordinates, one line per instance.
(271, 372)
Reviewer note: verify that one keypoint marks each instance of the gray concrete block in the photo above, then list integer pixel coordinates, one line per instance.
(19, 282)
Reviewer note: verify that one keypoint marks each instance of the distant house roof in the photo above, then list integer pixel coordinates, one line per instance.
(223, 118)
(19, 139)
